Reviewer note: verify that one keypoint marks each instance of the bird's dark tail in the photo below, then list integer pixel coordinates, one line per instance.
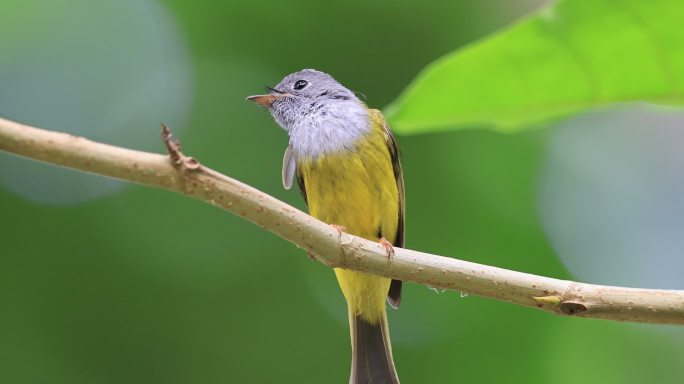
(372, 361)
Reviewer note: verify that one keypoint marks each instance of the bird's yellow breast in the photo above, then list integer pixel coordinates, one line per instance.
(357, 189)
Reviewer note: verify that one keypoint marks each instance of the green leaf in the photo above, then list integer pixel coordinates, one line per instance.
(566, 58)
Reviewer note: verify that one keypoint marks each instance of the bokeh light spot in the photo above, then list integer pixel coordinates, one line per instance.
(111, 72)
(612, 196)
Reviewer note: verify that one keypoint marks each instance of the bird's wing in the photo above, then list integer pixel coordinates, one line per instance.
(290, 171)
(395, 156)
(394, 294)
(289, 167)
(302, 187)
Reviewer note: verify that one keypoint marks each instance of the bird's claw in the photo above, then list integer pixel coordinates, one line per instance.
(389, 248)
(340, 228)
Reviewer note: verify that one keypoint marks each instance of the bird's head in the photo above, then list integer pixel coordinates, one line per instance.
(318, 113)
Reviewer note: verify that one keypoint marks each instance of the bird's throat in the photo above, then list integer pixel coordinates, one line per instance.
(331, 130)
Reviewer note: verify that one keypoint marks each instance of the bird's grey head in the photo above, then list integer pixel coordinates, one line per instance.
(318, 113)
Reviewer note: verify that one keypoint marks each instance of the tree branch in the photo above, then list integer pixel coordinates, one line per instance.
(181, 174)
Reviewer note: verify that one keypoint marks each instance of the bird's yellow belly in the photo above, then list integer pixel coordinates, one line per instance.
(359, 193)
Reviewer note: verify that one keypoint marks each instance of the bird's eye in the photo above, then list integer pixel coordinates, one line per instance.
(300, 84)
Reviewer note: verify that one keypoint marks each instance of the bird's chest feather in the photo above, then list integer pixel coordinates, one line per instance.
(354, 188)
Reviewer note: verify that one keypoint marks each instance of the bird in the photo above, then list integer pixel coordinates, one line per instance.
(346, 162)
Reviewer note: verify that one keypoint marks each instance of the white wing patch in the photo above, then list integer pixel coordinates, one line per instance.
(289, 166)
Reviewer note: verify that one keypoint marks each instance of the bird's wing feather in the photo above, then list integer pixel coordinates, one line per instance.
(399, 177)
(289, 166)
(395, 156)
(302, 186)
(394, 294)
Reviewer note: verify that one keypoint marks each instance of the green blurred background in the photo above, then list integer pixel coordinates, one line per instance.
(104, 282)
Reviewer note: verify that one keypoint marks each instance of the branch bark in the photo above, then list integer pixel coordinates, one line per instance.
(179, 173)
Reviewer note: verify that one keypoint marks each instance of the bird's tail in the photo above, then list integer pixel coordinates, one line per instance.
(372, 361)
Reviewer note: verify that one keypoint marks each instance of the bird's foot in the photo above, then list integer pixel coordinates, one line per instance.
(339, 228)
(388, 247)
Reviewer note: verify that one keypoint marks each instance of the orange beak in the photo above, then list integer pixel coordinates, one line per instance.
(265, 100)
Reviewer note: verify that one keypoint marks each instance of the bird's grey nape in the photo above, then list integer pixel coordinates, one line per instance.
(319, 114)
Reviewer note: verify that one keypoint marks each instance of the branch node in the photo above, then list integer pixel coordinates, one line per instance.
(173, 147)
(572, 307)
(191, 163)
(552, 300)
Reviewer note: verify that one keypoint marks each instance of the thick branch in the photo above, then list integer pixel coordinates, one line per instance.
(185, 175)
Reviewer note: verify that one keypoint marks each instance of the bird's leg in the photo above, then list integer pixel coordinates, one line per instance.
(388, 247)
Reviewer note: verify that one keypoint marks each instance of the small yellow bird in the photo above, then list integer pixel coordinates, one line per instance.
(346, 162)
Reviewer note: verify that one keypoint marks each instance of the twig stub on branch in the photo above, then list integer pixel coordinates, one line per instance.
(173, 147)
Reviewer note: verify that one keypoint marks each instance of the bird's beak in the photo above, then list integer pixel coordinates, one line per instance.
(266, 100)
